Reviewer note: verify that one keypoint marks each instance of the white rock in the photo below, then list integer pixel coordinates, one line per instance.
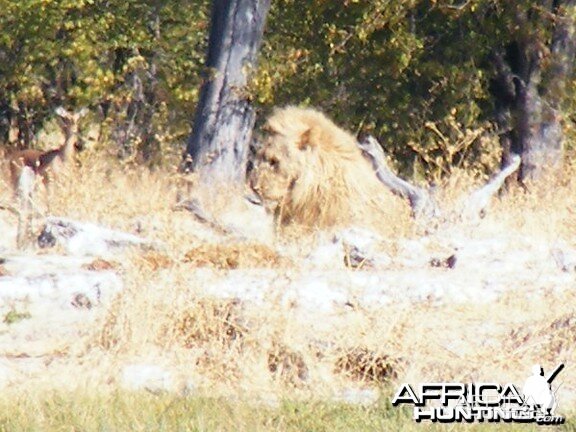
(363, 239)
(316, 292)
(355, 396)
(149, 377)
(328, 254)
(60, 287)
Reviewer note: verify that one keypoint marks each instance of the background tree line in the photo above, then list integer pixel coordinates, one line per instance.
(441, 84)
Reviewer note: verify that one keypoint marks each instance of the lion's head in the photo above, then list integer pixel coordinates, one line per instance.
(311, 172)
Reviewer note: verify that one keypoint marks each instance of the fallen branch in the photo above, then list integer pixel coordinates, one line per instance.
(475, 204)
(82, 238)
(421, 202)
(57, 280)
(194, 207)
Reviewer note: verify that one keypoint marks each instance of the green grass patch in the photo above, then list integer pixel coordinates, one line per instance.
(14, 316)
(147, 412)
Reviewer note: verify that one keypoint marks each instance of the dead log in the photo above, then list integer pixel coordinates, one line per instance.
(421, 201)
(56, 284)
(62, 288)
(80, 238)
(476, 203)
(242, 218)
(194, 207)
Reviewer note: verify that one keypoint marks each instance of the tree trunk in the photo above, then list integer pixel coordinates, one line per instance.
(528, 89)
(222, 129)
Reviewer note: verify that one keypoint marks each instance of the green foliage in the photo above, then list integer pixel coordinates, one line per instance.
(96, 52)
(13, 316)
(391, 68)
(387, 67)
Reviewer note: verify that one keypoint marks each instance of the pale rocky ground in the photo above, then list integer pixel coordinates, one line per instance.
(452, 268)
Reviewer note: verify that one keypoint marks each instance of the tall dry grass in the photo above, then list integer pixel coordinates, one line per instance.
(231, 348)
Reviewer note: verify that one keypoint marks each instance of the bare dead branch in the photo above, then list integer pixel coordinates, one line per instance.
(194, 207)
(421, 202)
(459, 7)
(475, 204)
(81, 238)
(9, 208)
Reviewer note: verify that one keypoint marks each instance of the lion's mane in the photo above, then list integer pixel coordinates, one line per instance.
(311, 172)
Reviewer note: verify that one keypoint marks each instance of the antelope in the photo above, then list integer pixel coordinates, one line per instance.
(44, 164)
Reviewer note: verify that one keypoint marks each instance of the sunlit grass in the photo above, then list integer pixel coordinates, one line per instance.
(147, 412)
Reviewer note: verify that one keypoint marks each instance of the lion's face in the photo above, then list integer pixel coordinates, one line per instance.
(277, 166)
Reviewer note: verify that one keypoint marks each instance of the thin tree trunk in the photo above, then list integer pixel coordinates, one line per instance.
(528, 89)
(222, 129)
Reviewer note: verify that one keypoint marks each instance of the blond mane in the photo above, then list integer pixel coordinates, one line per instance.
(311, 172)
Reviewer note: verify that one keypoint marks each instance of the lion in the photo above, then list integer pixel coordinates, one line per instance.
(310, 172)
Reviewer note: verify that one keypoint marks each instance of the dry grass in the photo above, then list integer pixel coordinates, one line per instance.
(233, 256)
(545, 210)
(260, 352)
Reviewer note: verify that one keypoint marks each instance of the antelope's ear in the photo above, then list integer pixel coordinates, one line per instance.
(304, 141)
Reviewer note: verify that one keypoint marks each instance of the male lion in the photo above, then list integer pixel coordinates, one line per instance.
(310, 172)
